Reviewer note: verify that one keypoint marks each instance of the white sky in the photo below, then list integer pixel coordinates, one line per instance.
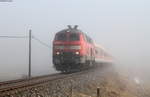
(121, 26)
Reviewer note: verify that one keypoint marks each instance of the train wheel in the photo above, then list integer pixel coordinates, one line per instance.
(90, 64)
(65, 71)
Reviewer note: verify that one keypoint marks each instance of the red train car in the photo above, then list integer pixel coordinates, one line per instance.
(73, 50)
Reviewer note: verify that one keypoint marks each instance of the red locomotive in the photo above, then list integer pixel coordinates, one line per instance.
(73, 50)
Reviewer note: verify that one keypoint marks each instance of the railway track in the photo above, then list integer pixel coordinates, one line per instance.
(24, 84)
(10, 85)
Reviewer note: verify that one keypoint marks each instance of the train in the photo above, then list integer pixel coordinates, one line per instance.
(74, 50)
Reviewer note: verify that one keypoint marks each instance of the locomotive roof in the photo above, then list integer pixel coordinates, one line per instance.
(70, 30)
(73, 31)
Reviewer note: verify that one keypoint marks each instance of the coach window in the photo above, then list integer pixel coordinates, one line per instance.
(74, 37)
(96, 51)
(101, 53)
(61, 37)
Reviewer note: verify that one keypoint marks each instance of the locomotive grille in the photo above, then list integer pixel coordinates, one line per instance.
(67, 54)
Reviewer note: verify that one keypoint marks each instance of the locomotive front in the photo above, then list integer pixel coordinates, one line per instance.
(67, 50)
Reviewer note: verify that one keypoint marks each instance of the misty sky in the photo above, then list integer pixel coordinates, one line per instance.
(121, 26)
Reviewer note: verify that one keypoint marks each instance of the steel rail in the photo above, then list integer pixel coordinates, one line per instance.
(33, 82)
(24, 79)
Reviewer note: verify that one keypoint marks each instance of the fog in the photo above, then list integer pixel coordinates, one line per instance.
(122, 27)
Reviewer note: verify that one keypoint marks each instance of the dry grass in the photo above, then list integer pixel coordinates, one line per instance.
(112, 85)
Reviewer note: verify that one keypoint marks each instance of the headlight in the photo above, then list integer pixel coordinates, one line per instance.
(57, 53)
(77, 53)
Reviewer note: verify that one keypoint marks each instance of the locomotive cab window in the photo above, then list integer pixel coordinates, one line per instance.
(88, 39)
(61, 37)
(74, 37)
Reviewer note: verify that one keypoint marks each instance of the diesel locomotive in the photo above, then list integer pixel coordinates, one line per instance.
(74, 50)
